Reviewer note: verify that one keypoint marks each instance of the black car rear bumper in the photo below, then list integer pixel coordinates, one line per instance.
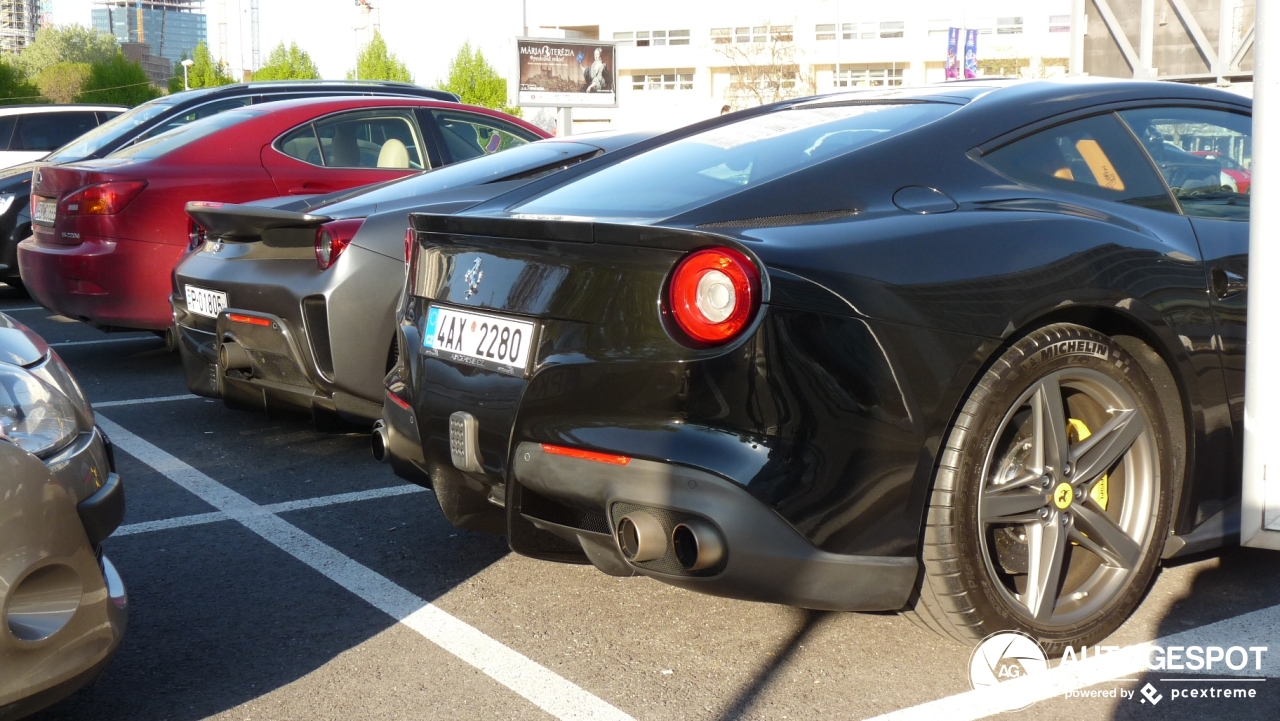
(765, 558)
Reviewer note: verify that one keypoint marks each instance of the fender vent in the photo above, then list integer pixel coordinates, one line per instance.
(315, 313)
(777, 221)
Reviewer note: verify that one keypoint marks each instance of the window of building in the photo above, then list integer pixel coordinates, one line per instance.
(1009, 26)
(680, 79)
(649, 38)
(892, 29)
(940, 27)
(867, 76)
(984, 26)
(825, 32)
(1059, 23)
(870, 31)
(752, 34)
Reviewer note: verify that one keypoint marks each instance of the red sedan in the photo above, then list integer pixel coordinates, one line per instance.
(107, 233)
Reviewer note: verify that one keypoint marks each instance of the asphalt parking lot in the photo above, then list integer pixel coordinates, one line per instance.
(275, 572)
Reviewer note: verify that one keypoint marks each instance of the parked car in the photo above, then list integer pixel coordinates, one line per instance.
(108, 232)
(1241, 176)
(155, 117)
(30, 132)
(301, 325)
(939, 350)
(64, 604)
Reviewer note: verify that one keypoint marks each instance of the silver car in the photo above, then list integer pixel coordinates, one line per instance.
(290, 304)
(63, 603)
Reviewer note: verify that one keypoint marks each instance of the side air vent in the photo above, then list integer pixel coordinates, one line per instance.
(315, 312)
(776, 221)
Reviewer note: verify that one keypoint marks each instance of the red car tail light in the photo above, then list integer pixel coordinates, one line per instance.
(612, 459)
(249, 320)
(332, 238)
(102, 198)
(713, 294)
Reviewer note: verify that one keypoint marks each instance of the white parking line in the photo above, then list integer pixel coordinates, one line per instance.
(20, 310)
(198, 519)
(140, 401)
(544, 688)
(64, 344)
(1258, 628)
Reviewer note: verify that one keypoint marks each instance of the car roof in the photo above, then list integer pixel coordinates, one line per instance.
(337, 103)
(280, 87)
(50, 108)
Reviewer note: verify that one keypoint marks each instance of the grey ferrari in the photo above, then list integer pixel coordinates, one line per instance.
(63, 603)
(289, 304)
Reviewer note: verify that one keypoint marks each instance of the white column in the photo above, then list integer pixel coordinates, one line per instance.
(1260, 502)
(1078, 28)
(1146, 40)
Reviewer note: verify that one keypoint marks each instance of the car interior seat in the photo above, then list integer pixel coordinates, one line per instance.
(344, 151)
(393, 155)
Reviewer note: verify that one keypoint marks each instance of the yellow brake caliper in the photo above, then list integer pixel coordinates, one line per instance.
(1099, 491)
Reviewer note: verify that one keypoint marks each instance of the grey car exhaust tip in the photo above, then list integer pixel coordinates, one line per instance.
(378, 442)
(233, 357)
(697, 545)
(641, 538)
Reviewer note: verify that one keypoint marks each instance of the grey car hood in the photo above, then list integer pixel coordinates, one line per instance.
(18, 344)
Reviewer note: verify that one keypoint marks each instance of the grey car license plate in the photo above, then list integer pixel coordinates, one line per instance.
(486, 341)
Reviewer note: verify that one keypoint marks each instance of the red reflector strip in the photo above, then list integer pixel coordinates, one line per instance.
(609, 458)
(249, 320)
(400, 402)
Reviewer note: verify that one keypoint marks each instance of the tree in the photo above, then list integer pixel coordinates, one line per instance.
(763, 71)
(375, 62)
(67, 44)
(292, 63)
(118, 81)
(206, 73)
(14, 86)
(475, 81)
(62, 82)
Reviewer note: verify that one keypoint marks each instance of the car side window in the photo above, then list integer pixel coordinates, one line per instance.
(383, 138)
(197, 113)
(50, 131)
(1094, 156)
(301, 143)
(470, 135)
(6, 130)
(1206, 157)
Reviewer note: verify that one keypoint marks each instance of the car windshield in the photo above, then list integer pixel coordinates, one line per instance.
(181, 136)
(700, 168)
(109, 132)
(482, 169)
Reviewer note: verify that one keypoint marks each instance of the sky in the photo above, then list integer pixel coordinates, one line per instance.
(424, 35)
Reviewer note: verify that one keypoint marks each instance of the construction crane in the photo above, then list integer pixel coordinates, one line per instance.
(253, 33)
(222, 32)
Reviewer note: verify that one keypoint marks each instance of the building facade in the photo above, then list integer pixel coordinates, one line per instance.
(172, 28)
(19, 20)
(702, 56)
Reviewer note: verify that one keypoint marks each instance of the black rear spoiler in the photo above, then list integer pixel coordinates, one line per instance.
(241, 223)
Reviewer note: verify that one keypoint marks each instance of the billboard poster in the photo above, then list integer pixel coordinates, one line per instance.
(567, 73)
(971, 53)
(953, 54)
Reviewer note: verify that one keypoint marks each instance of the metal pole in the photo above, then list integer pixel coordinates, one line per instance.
(186, 84)
(1260, 501)
(1077, 37)
(566, 122)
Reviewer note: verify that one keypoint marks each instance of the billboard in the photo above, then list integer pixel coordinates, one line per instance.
(567, 73)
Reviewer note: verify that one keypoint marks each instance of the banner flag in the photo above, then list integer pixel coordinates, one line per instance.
(953, 54)
(971, 54)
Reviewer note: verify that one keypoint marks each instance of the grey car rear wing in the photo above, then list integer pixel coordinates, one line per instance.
(246, 223)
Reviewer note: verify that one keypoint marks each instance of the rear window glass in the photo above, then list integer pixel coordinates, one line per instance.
(47, 131)
(484, 169)
(184, 135)
(110, 132)
(704, 167)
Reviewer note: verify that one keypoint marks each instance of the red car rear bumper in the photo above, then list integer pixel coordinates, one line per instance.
(112, 283)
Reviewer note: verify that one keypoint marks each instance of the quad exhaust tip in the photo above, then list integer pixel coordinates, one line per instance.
(641, 537)
(378, 442)
(697, 545)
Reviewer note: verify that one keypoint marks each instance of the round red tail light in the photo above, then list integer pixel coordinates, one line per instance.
(714, 293)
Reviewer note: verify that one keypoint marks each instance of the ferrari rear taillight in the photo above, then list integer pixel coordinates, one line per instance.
(332, 238)
(102, 198)
(713, 294)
